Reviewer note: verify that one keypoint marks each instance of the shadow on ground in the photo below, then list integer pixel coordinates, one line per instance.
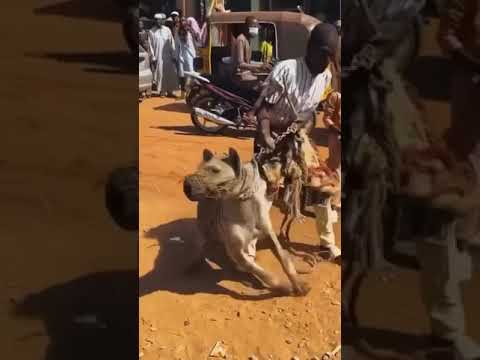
(384, 342)
(192, 130)
(102, 10)
(177, 107)
(112, 62)
(109, 298)
(173, 269)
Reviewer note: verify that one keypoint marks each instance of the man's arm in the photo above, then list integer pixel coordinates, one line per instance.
(262, 114)
(263, 109)
(332, 110)
(271, 87)
(265, 116)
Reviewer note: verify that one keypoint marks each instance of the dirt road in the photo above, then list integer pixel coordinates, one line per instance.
(183, 316)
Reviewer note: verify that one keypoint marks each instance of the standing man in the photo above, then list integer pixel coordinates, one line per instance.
(300, 83)
(158, 18)
(176, 17)
(448, 257)
(186, 54)
(165, 74)
(327, 210)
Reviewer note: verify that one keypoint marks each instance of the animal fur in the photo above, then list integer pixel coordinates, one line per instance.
(234, 210)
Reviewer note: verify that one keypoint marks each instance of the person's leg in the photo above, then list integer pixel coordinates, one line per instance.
(440, 290)
(170, 82)
(444, 268)
(182, 87)
(325, 216)
(158, 78)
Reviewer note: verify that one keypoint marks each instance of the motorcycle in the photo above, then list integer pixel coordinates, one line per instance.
(213, 108)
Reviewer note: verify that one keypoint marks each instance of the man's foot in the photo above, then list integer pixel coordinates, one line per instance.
(329, 253)
(171, 95)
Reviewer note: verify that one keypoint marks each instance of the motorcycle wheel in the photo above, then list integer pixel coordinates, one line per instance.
(206, 103)
(192, 97)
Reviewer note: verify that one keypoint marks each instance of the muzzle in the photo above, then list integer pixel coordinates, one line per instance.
(193, 188)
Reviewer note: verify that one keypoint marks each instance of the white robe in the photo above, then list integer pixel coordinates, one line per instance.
(186, 54)
(165, 72)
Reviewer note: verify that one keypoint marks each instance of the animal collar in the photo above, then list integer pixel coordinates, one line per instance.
(249, 182)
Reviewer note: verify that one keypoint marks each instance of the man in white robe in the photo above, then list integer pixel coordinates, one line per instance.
(165, 69)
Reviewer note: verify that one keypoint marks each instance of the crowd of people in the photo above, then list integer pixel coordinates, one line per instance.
(172, 45)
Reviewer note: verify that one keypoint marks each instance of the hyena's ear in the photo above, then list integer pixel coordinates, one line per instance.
(207, 155)
(235, 161)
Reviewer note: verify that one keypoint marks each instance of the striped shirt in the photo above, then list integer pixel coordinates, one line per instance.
(292, 79)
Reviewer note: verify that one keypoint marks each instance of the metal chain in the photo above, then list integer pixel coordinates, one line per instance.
(292, 129)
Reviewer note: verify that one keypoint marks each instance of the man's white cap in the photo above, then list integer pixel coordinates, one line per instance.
(160, 16)
(174, 13)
